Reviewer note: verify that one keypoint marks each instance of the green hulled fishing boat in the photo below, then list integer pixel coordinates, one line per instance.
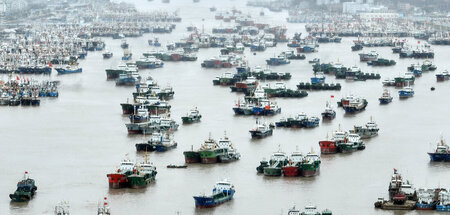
(26, 189)
(143, 174)
(276, 162)
(310, 165)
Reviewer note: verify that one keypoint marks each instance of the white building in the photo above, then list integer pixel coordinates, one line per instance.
(354, 7)
(327, 2)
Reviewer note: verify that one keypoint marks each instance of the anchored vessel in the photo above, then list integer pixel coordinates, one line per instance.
(442, 152)
(119, 179)
(26, 189)
(193, 116)
(261, 130)
(143, 174)
(223, 191)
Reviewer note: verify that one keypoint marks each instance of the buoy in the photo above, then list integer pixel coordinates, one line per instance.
(432, 88)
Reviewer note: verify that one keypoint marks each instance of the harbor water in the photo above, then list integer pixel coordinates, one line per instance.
(70, 143)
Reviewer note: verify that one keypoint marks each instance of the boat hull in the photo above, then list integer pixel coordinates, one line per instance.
(117, 180)
(290, 171)
(439, 157)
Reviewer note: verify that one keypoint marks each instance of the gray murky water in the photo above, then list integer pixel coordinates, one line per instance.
(69, 144)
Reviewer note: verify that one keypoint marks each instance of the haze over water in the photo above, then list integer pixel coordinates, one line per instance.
(70, 143)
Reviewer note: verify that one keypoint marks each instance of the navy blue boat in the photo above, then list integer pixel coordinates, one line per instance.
(223, 191)
(68, 69)
(442, 152)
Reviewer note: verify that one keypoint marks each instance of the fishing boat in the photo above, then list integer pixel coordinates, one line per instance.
(62, 208)
(245, 86)
(191, 156)
(315, 60)
(276, 61)
(442, 152)
(193, 116)
(119, 179)
(292, 168)
(406, 92)
(26, 188)
(223, 191)
(124, 44)
(261, 130)
(352, 143)
(207, 151)
(319, 78)
(114, 73)
(442, 76)
(68, 70)
(332, 146)
(173, 166)
(371, 56)
(386, 97)
(141, 115)
(444, 201)
(310, 165)
(352, 104)
(128, 79)
(426, 199)
(143, 174)
(370, 129)
(103, 208)
(107, 55)
(127, 55)
(329, 112)
(225, 151)
(276, 162)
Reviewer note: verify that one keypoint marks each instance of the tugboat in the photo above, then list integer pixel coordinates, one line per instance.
(369, 130)
(406, 92)
(193, 116)
(143, 174)
(62, 209)
(277, 161)
(292, 169)
(310, 165)
(103, 209)
(328, 113)
(386, 97)
(119, 179)
(223, 191)
(26, 189)
(442, 152)
(261, 130)
(68, 70)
